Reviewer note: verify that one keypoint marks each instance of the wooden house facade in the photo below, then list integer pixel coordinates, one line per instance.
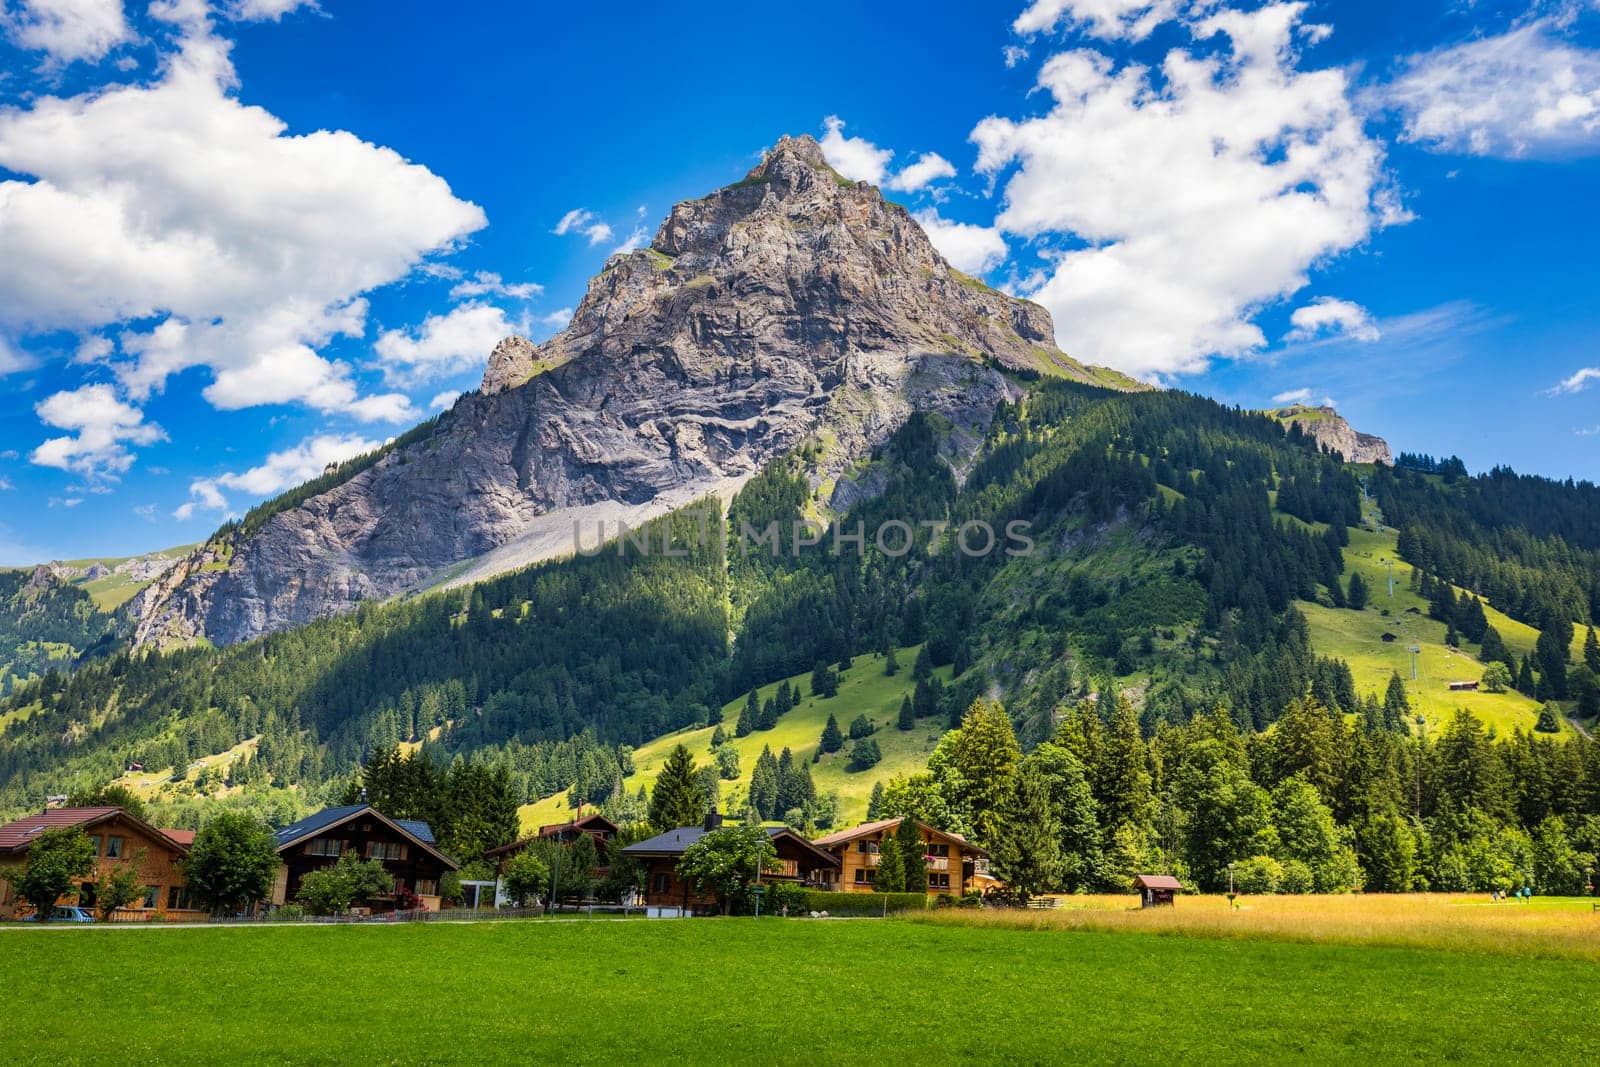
(120, 840)
(405, 847)
(955, 865)
(799, 861)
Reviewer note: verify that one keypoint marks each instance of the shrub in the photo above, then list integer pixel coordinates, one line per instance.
(1258, 874)
(1297, 877)
(864, 903)
(864, 754)
(291, 911)
(779, 895)
(861, 726)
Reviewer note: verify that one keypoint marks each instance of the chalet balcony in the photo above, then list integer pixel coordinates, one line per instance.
(938, 863)
(786, 869)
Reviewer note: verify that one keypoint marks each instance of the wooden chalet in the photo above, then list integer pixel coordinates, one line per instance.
(955, 865)
(1157, 890)
(799, 860)
(405, 847)
(594, 826)
(121, 840)
(1463, 687)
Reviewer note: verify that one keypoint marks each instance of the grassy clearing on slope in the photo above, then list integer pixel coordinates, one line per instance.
(1357, 638)
(1543, 928)
(739, 990)
(114, 590)
(863, 690)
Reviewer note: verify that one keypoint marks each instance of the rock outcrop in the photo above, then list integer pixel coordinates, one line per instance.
(787, 303)
(1333, 434)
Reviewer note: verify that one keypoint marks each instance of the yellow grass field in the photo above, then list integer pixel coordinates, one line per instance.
(1542, 928)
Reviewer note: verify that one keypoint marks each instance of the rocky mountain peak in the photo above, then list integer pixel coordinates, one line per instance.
(1332, 433)
(786, 303)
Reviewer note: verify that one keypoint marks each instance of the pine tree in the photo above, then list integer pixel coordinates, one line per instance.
(891, 872)
(1526, 685)
(769, 715)
(1396, 705)
(1026, 849)
(764, 785)
(832, 739)
(719, 737)
(824, 682)
(891, 666)
(908, 717)
(749, 717)
(1493, 650)
(875, 802)
(1591, 651)
(913, 855)
(678, 799)
(1357, 598)
(922, 669)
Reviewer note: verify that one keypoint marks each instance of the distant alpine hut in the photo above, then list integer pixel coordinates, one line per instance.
(1389, 638)
(1157, 889)
(1463, 687)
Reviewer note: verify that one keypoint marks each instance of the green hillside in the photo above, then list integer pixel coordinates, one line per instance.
(864, 689)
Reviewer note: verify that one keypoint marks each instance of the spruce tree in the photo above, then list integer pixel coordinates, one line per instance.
(913, 855)
(764, 785)
(749, 716)
(824, 682)
(922, 669)
(1396, 705)
(719, 737)
(1526, 685)
(875, 802)
(891, 666)
(1026, 848)
(832, 740)
(1591, 652)
(908, 717)
(769, 715)
(678, 799)
(891, 873)
(1357, 598)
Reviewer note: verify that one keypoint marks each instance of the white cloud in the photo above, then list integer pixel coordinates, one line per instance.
(855, 157)
(281, 470)
(93, 349)
(1587, 431)
(1293, 396)
(1014, 54)
(267, 10)
(104, 425)
(444, 399)
(1577, 383)
(65, 502)
(572, 221)
(247, 246)
(974, 249)
(634, 240)
(929, 167)
(1327, 316)
(444, 344)
(66, 29)
(12, 361)
(1171, 210)
(147, 512)
(1521, 94)
(6, 486)
(488, 283)
(558, 317)
(1110, 19)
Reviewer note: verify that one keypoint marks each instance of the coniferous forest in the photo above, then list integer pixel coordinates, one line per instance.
(1160, 696)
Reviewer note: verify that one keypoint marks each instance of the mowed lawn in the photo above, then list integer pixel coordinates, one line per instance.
(739, 990)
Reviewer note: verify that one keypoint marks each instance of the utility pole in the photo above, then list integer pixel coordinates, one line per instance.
(1414, 650)
(1389, 563)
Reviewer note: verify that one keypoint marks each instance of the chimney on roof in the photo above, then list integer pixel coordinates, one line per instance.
(713, 820)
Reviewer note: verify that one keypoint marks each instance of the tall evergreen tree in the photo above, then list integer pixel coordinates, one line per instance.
(1026, 849)
(678, 799)
(1591, 651)
(749, 716)
(1357, 597)
(764, 785)
(875, 802)
(824, 682)
(908, 717)
(891, 872)
(891, 666)
(913, 855)
(1396, 705)
(832, 738)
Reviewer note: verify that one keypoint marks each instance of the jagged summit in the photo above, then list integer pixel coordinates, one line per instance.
(790, 305)
(1332, 433)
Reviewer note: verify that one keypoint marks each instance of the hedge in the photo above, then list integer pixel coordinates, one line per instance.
(864, 903)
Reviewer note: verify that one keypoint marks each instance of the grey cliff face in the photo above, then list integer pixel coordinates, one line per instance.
(1333, 434)
(788, 302)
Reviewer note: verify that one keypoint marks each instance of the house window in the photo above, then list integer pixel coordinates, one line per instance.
(658, 884)
(942, 851)
(152, 894)
(938, 881)
(427, 887)
(113, 848)
(325, 846)
(861, 876)
(385, 850)
(178, 899)
(94, 839)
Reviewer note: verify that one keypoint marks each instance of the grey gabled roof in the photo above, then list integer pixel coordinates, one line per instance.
(417, 829)
(311, 825)
(675, 842)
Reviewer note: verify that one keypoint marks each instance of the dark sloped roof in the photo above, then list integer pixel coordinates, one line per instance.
(1156, 881)
(328, 818)
(675, 842)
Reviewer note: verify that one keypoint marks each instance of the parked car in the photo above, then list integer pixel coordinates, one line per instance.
(65, 915)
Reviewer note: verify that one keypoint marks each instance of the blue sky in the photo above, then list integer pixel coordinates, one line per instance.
(242, 239)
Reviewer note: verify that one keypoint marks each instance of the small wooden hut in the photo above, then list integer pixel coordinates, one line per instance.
(1157, 889)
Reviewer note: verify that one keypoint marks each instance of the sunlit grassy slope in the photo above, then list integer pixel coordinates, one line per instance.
(863, 690)
(1357, 638)
(114, 590)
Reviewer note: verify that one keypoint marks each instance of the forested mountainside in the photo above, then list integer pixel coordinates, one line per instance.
(47, 624)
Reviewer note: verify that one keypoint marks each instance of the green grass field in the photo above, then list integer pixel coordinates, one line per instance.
(114, 590)
(863, 690)
(738, 990)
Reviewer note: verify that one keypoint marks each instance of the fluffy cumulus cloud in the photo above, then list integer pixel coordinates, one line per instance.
(488, 283)
(1526, 93)
(100, 428)
(444, 344)
(280, 471)
(1327, 316)
(1110, 19)
(66, 30)
(583, 221)
(928, 168)
(855, 157)
(229, 242)
(1302, 396)
(1171, 209)
(974, 249)
(1577, 383)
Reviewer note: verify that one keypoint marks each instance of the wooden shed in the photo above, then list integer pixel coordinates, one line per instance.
(1157, 889)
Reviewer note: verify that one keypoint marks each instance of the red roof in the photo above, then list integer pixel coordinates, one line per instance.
(182, 837)
(21, 833)
(1156, 881)
(842, 836)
